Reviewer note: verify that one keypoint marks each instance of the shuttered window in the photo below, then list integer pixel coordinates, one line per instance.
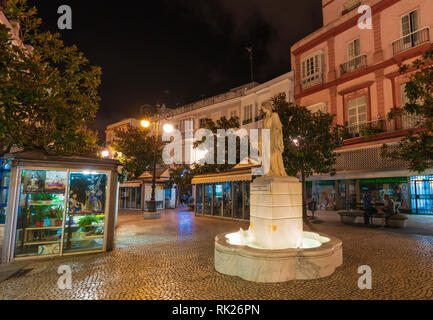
(353, 49)
(312, 70)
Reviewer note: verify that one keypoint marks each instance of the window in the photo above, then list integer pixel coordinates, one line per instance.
(404, 99)
(353, 49)
(201, 122)
(357, 113)
(259, 115)
(409, 23)
(233, 114)
(188, 124)
(312, 70)
(412, 34)
(409, 121)
(248, 114)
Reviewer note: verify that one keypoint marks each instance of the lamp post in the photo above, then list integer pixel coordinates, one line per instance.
(167, 128)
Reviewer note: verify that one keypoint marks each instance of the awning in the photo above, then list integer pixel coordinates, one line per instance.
(130, 185)
(223, 177)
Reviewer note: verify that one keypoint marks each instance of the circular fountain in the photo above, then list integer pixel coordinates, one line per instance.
(275, 248)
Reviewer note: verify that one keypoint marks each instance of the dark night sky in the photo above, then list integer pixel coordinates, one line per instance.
(176, 51)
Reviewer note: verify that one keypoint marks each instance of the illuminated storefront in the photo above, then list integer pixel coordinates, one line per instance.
(225, 195)
(421, 189)
(411, 194)
(59, 206)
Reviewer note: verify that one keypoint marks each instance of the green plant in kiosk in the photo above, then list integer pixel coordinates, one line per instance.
(42, 197)
(56, 214)
(40, 215)
(87, 221)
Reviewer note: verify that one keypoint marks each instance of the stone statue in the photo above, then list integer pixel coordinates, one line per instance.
(272, 122)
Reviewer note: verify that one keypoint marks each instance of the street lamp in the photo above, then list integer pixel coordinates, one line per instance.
(167, 128)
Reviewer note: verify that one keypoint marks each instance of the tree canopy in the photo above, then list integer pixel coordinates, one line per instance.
(48, 91)
(416, 147)
(310, 140)
(134, 148)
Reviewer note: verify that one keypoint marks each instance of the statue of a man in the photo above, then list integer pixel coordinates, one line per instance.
(272, 122)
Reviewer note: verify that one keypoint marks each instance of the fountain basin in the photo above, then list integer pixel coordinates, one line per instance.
(252, 263)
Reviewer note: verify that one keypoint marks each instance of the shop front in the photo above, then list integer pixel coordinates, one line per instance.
(130, 195)
(4, 189)
(165, 196)
(59, 206)
(224, 195)
(345, 194)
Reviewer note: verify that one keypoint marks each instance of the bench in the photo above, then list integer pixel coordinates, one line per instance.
(397, 220)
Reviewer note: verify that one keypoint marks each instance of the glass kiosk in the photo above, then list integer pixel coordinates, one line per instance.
(59, 206)
(44, 227)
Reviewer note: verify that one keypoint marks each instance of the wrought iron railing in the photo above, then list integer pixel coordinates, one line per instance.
(371, 128)
(354, 64)
(411, 121)
(411, 40)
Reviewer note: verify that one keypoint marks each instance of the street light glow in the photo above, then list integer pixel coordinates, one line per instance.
(145, 123)
(168, 128)
(105, 153)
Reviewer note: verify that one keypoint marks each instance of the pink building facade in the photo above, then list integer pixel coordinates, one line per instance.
(354, 73)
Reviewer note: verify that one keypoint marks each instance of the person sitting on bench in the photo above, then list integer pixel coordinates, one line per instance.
(369, 209)
(387, 210)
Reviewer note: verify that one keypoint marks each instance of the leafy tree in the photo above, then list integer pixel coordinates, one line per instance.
(134, 148)
(181, 176)
(222, 124)
(48, 91)
(416, 147)
(310, 141)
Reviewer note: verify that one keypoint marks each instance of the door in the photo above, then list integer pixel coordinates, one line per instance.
(421, 189)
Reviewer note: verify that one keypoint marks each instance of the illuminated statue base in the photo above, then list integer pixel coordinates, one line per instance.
(275, 248)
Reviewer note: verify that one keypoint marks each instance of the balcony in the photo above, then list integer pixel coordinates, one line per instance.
(350, 6)
(411, 40)
(312, 81)
(356, 63)
(376, 127)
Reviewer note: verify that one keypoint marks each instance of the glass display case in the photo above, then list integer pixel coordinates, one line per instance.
(5, 169)
(85, 218)
(40, 213)
(60, 212)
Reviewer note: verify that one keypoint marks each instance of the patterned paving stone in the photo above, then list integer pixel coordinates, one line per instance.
(172, 258)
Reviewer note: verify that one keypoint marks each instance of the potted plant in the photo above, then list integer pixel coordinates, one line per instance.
(42, 198)
(56, 216)
(86, 223)
(40, 216)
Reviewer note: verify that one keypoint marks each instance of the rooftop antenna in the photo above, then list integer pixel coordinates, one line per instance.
(250, 51)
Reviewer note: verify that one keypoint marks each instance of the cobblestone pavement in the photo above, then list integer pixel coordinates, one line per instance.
(172, 258)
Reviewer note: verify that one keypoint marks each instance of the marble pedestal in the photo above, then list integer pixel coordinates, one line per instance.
(276, 212)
